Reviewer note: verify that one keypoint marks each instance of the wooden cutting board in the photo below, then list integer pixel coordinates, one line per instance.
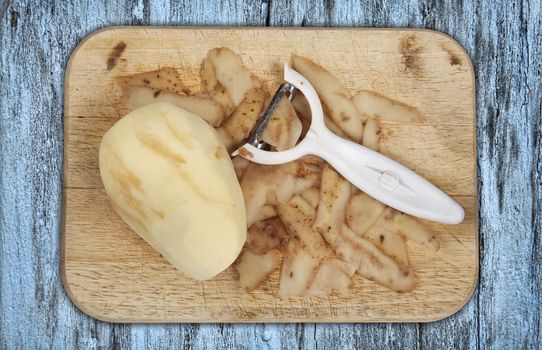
(112, 274)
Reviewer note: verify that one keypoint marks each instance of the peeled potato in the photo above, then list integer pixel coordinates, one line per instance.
(171, 180)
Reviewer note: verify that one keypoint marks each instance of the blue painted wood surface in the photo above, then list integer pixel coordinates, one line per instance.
(504, 40)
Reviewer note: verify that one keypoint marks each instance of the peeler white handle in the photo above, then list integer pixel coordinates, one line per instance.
(375, 174)
(385, 179)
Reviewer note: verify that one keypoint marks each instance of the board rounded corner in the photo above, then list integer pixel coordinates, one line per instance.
(81, 46)
(460, 305)
(457, 45)
(77, 303)
(76, 292)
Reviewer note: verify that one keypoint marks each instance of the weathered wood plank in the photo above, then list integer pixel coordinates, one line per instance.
(509, 129)
(36, 40)
(504, 41)
(501, 39)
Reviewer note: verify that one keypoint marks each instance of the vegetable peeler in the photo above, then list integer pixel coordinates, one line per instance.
(375, 174)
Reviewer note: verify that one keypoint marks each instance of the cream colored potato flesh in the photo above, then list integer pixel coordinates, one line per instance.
(171, 180)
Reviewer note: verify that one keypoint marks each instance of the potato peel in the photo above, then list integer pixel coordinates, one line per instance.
(334, 97)
(254, 269)
(371, 134)
(269, 185)
(298, 267)
(298, 216)
(389, 242)
(373, 105)
(409, 227)
(238, 126)
(231, 74)
(372, 263)
(284, 128)
(312, 196)
(214, 88)
(334, 195)
(266, 235)
(162, 79)
(207, 108)
(363, 212)
(266, 212)
(333, 275)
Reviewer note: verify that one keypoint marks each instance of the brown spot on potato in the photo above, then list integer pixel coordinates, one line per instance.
(155, 145)
(158, 213)
(219, 153)
(157, 93)
(410, 54)
(127, 181)
(115, 54)
(183, 138)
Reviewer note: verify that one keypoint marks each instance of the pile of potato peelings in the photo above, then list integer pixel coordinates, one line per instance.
(302, 217)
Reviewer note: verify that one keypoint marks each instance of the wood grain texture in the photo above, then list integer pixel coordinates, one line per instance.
(112, 274)
(503, 39)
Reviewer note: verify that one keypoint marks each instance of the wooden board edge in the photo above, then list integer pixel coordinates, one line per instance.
(102, 317)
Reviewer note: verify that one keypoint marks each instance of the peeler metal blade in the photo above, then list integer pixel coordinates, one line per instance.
(285, 89)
